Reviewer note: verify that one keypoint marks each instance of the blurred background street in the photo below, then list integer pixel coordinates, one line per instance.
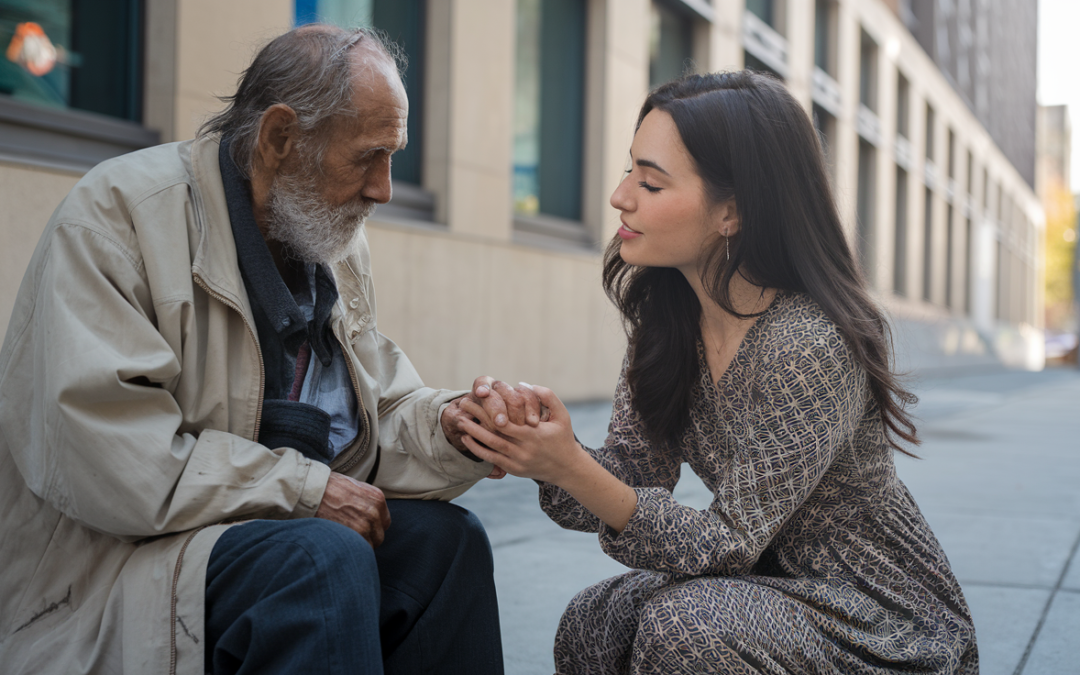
(998, 482)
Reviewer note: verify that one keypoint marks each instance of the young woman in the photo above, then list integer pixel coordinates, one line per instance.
(757, 357)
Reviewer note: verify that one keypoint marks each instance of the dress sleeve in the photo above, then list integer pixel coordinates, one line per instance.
(801, 408)
(627, 455)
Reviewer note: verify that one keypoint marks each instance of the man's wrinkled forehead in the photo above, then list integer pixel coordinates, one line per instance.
(378, 95)
(374, 71)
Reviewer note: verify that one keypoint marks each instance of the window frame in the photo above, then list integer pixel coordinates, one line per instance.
(65, 138)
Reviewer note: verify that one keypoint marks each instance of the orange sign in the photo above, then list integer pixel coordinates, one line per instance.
(32, 49)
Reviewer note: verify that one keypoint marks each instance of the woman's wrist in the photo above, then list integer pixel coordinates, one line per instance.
(577, 467)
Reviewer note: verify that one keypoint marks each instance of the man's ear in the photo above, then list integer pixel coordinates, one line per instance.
(277, 137)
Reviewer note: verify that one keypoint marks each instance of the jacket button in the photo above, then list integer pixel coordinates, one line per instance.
(354, 303)
(286, 322)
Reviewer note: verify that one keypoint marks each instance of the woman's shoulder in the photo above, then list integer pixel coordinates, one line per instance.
(797, 327)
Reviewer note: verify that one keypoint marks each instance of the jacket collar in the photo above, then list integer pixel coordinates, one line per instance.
(266, 290)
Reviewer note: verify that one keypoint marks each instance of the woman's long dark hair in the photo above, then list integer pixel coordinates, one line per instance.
(751, 141)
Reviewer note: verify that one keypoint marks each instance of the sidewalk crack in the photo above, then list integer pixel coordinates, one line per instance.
(1046, 608)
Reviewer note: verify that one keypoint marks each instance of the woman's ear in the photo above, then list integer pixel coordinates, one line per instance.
(727, 218)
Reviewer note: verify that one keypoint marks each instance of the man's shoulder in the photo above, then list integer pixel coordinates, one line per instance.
(137, 175)
(144, 198)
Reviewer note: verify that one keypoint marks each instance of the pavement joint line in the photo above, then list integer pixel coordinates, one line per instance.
(518, 540)
(1046, 608)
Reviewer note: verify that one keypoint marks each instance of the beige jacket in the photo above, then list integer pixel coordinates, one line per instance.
(130, 395)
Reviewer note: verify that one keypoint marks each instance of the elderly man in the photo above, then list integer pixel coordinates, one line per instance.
(199, 418)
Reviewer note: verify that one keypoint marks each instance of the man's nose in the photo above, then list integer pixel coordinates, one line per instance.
(377, 185)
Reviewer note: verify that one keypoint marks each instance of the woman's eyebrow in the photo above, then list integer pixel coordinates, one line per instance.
(651, 164)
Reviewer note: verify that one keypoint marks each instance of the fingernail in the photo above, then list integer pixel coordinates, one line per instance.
(500, 420)
(482, 389)
(525, 384)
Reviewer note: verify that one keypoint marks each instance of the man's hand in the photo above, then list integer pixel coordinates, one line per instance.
(451, 419)
(501, 403)
(358, 506)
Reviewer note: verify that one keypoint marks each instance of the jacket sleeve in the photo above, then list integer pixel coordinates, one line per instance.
(627, 455)
(416, 460)
(85, 408)
(811, 401)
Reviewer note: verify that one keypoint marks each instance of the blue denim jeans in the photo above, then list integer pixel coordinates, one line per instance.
(311, 596)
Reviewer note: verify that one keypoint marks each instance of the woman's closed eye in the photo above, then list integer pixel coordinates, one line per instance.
(650, 188)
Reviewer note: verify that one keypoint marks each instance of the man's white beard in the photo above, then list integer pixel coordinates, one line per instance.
(312, 230)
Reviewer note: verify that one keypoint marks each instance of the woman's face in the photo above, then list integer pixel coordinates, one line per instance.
(667, 219)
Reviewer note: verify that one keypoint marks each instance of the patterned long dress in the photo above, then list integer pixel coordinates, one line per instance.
(812, 557)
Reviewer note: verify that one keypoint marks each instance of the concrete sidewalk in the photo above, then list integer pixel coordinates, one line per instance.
(999, 483)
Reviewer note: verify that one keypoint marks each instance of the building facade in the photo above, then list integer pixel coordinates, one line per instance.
(487, 261)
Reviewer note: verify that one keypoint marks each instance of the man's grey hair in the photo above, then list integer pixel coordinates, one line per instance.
(308, 69)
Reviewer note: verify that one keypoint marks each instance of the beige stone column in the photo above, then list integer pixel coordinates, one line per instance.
(725, 37)
(800, 37)
(885, 171)
(159, 78)
(469, 117)
(617, 82)
(214, 42)
(847, 135)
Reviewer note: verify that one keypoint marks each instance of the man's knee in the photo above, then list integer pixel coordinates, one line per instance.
(441, 527)
(318, 546)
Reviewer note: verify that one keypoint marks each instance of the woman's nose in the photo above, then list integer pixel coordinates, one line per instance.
(620, 198)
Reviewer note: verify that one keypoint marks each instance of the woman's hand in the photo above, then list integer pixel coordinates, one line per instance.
(549, 452)
(546, 451)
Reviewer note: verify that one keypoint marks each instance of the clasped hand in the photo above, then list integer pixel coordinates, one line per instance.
(539, 444)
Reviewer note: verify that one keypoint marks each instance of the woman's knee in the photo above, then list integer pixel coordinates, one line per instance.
(705, 621)
(689, 621)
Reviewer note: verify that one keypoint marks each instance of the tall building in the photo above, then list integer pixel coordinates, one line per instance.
(488, 258)
(1053, 166)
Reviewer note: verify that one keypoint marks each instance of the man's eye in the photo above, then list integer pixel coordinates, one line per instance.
(650, 188)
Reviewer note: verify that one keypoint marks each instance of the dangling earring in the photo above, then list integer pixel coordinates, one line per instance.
(727, 244)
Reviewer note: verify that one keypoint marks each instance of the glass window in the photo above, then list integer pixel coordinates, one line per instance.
(928, 246)
(1001, 290)
(670, 45)
(903, 103)
(949, 256)
(866, 198)
(752, 62)
(825, 124)
(763, 9)
(969, 263)
(70, 54)
(403, 21)
(549, 105)
(951, 161)
(824, 35)
(900, 234)
(929, 132)
(868, 72)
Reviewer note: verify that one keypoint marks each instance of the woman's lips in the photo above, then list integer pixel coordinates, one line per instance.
(626, 233)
